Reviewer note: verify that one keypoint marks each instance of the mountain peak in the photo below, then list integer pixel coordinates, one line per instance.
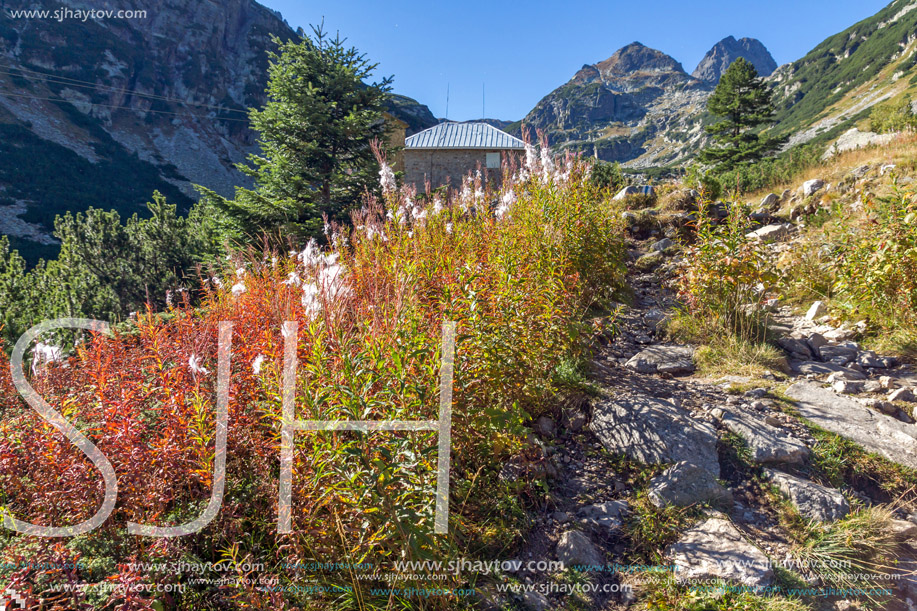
(637, 57)
(726, 51)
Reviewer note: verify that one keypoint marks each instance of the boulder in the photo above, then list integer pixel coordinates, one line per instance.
(890, 438)
(685, 484)
(544, 426)
(654, 431)
(715, 549)
(796, 347)
(770, 203)
(854, 139)
(902, 394)
(813, 501)
(816, 311)
(576, 550)
(607, 515)
(840, 355)
(768, 444)
(662, 245)
(811, 187)
(535, 601)
(663, 359)
(770, 233)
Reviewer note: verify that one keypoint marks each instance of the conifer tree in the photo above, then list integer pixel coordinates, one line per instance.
(745, 104)
(315, 133)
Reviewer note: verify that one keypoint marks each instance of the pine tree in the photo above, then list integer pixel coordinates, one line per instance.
(315, 133)
(745, 103)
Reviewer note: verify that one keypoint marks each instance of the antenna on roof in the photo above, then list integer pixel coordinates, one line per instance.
(447, 102)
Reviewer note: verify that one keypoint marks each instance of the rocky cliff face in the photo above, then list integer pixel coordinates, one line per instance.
(638, 106)
(108, 109)
(726, 51)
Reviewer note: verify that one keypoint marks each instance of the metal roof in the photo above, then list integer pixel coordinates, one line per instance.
(463, 136)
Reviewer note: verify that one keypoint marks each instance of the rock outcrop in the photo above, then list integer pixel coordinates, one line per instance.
(726, 51)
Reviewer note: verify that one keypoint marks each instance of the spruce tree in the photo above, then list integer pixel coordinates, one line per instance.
(745, 103)
(315, 133)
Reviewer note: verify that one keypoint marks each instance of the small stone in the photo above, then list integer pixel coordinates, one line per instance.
(816, 310)
(846, 374)
(661, 245)
(816, 340)
(663, 359)
(813, 501)
(868, 358)
(888, 382)
(903, 530)
(576, 421)
(544, 426)
(840, 355)
(756, 393)
(685, 484)
(902, 394)
(811, 187)
(772, 420)
(561, 517)
(770, 233)
(872, 386)
(717, 413)
(844, 387)
(766, 444)
(886, 407)
(535, 601)
(576, 550)
(770, 203)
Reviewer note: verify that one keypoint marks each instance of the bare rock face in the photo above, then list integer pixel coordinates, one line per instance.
(893, 439)
(654, 431)
(726, 51)
(715, 549)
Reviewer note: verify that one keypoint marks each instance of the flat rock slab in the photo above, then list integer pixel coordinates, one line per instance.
(654, 431)
(576, 550)
(888, 437)
(813, 501)
(768, 444)
(685, 484)
(663, 359)
(815, 367)
(714, 549)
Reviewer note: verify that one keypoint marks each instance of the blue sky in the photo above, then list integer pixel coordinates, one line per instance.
(520, 51)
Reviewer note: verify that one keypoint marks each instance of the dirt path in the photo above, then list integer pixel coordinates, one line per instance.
(596, 493)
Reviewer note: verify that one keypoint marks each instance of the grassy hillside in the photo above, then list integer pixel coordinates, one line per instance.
(849, 72)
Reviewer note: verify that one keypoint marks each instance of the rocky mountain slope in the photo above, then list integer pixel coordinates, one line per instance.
(726, 51)
(100, 112)
(639, 106)
(848, 73)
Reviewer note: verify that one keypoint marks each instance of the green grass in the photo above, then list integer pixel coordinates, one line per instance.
(721, 352)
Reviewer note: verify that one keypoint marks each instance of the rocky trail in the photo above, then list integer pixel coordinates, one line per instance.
(659, 434)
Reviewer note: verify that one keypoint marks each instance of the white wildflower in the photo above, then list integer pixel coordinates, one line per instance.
(240, 272)
(448, 227)
(194, 363)
(311, 302)
(437, 204)
(292, 280)
(238, 289)
(547, 164)
(387, 179)
(43, 354)
(256, 364)
(216, 282)
(531, 158)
